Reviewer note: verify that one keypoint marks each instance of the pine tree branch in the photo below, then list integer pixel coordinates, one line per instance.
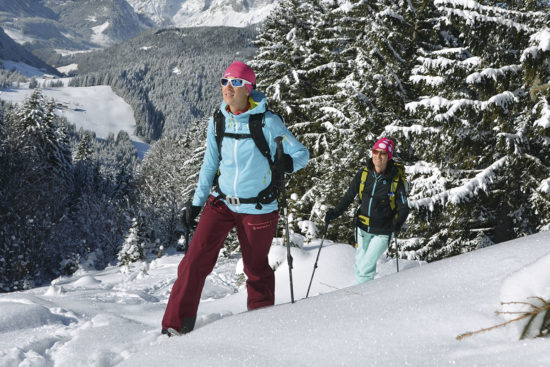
(533, 313)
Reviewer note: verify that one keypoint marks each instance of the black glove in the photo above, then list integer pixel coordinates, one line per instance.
(331, 214)
(280, 167)
(190, 212)
(284, 165)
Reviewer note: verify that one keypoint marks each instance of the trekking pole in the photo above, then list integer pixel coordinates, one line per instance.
(280, 152)
(396, 252)
(317, 259)
(186, 240)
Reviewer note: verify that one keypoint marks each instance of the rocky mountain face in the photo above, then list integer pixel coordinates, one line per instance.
(187, 13)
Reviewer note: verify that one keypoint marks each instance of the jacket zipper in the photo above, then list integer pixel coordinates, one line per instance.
(372, 196)
(236, 158)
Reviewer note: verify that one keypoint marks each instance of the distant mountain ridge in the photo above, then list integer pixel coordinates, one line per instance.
(47, 26)
(51, 29)
(87, 24)
(188, 13)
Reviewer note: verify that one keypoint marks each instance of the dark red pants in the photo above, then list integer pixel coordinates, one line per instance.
(255, 233)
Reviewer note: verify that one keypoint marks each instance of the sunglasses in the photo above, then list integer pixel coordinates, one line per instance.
(234, 82)
(379, 152)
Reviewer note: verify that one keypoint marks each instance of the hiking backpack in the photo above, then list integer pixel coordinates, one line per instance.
(256, 124)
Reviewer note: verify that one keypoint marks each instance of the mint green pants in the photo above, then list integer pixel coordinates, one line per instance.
(369, 248)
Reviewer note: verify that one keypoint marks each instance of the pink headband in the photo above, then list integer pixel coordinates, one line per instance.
(240, 70)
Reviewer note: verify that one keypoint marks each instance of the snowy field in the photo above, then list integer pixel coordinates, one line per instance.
(97, 108)
(410, 318)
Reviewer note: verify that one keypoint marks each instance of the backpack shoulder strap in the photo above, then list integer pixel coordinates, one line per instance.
(399, 176)
(363, 182)
(219, 130)
(256, 124)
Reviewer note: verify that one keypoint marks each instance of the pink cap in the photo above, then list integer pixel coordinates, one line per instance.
(384, 144)
(240, 70)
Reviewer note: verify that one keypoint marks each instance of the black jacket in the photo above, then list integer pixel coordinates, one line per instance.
(375, 202)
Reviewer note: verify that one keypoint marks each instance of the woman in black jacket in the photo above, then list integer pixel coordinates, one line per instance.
(383, 209)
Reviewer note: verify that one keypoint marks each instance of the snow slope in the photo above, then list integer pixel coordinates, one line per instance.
(105, 318)
(22, 68)
(97, 109)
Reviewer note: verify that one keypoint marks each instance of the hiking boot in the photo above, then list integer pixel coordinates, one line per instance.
(171, 332)
(188, 326)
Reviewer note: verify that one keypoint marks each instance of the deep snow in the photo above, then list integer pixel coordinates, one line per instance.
(112, 317)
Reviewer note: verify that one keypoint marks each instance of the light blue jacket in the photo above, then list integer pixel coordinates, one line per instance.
(244, 171)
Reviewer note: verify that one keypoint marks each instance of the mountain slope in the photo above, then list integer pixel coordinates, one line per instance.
(12, 51)
(47, 26)
(170, 77)
(102, 22)
(51, 29)
(409, 318)
(26, 8)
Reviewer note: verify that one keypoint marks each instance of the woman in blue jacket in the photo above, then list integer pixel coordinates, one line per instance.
(239, 175)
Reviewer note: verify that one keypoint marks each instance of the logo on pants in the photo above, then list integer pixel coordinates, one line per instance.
(259, 226)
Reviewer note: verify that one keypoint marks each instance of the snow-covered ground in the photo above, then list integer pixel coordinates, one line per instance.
(18, 35)
(410, 318)
(68, 68)
(22, 68)
(97, 108)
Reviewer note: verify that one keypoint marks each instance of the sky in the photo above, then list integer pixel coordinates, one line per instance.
(112, 317)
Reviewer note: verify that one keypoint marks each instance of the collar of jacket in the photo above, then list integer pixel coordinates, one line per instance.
(257, 102)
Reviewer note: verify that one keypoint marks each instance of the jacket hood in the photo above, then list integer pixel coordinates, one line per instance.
(258, 97)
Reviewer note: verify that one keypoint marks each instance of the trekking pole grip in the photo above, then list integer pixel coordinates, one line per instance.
(279, 176)
(280, 150)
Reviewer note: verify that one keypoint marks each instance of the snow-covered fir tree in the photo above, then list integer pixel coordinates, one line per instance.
(35, 188)
(348, 82)
(457, 103)
(479, 157)
(166, 180)
(53, 213)
(133, 247)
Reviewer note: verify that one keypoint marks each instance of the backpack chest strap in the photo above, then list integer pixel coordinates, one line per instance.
(237, 136)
